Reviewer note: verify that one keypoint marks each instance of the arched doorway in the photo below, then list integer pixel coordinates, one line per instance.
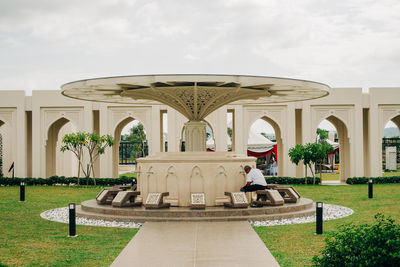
(330, 167)
(265, 143)
(391, 147)
(344, 146)
(125, 150)
(58, 163)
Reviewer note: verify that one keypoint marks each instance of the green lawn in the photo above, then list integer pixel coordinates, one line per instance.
(329, 176)
(295, 245)
(390, 174)
(28, 240)
(128, 174)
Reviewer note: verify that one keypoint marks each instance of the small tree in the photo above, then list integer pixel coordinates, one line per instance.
(296, 154)
(74, 142)
(137, 137)
(95, 145)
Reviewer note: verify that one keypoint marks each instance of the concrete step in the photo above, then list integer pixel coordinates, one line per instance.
(250, 217)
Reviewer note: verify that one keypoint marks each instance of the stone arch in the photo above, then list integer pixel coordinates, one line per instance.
(196, 180)
(220, 182)
(119, 126)
(6, 147)
(396, 120)
(344, 145)
(151, 180)
(51, 145)
(279, 140)
(172, 187)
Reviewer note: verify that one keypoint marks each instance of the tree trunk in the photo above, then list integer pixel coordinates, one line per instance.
(306, 173)
(320, 172)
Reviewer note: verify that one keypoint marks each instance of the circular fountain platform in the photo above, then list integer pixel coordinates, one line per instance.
(91, 210)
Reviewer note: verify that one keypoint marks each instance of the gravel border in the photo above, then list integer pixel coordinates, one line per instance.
(62, 215)
(330, 212)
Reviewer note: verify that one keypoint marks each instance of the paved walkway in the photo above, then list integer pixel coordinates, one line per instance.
(196, 244)
(332, 182)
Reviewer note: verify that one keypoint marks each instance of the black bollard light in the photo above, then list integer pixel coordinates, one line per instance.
(319, 218)
(370, 189)
(72, 220)
(22, 192)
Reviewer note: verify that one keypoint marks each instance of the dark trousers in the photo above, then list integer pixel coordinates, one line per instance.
(253, 187)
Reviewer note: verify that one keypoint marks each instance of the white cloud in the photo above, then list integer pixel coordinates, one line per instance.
(44, 43)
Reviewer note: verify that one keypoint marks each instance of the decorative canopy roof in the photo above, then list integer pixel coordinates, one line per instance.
(195, 96)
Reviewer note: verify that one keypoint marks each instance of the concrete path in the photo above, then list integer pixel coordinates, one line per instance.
(196, 244)
(332, 182)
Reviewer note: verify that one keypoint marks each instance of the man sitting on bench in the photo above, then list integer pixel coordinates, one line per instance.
(255, 180)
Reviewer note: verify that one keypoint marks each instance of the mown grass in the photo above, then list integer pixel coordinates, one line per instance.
(28, 240)
(128, 174)
(295, 245)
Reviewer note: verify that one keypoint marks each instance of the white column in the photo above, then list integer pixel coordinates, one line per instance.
(155, 140)
(357, 141)
(173, 132)
(221, 130)
(20, 164)
(195, 136)
(106, 159)
(239, 131)
(289, 141)
(37, 149)
(375, 141)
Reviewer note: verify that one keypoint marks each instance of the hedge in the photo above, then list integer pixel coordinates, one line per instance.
(375, 180)
(61, 180)
(291, 180)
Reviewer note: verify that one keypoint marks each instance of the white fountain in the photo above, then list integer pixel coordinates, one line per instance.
(195, 96)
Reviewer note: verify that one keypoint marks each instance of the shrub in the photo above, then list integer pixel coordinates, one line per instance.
(56, 180)
(375, 244)
(375, 180)
(291, 180)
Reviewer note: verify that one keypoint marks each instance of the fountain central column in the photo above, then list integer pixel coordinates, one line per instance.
(196, 136)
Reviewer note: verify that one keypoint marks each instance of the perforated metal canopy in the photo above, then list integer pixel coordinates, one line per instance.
(195, 96)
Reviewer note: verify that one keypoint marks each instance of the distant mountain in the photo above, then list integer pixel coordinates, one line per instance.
(391, 132)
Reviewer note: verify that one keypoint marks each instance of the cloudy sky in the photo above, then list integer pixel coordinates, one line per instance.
(352, 43)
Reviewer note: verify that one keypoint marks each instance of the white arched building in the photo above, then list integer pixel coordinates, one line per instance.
(31, 128)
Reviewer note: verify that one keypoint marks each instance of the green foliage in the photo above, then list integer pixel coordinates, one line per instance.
(95, 146)
(290, 180)
(61, 180)
(311, 153)
(137, 137)
(322, 135)
(375, 180)
(296, 154)
(229, 130)
(375, 244)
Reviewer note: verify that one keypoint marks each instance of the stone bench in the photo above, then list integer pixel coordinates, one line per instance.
(197, 201)
(269, 198)
(289, 194)
(126, 199)
(155, 201)
(107, 195)
(237, 200)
